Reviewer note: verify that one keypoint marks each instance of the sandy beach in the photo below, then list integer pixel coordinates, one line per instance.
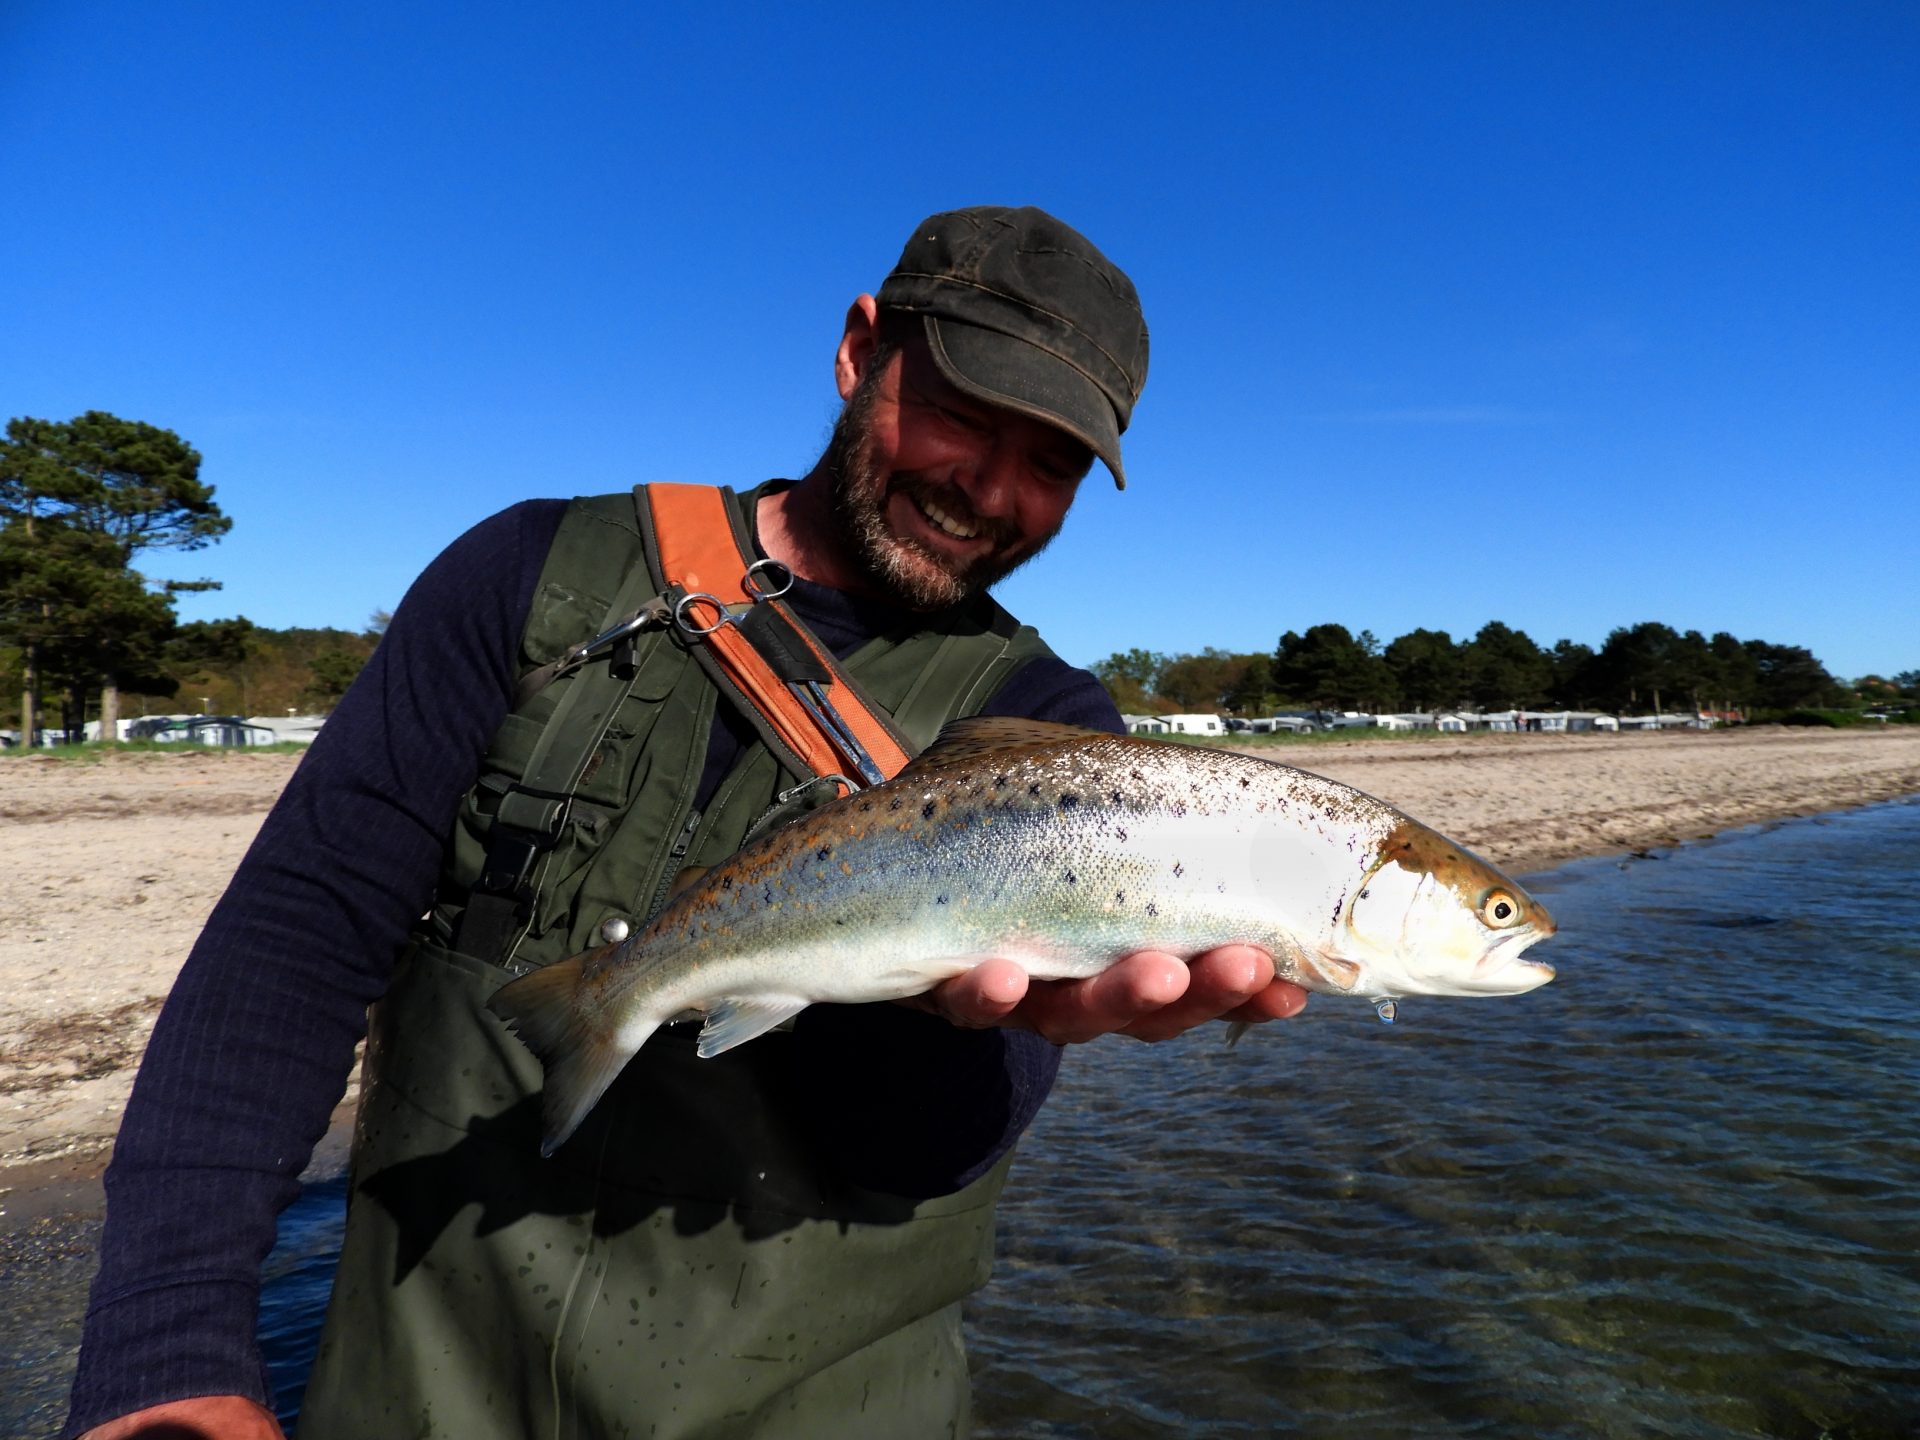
(112, 867)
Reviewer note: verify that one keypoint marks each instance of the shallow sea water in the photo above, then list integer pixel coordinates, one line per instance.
(1674, 1193)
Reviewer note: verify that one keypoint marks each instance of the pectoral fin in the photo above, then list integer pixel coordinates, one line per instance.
(1338, 974)
(739, 1018)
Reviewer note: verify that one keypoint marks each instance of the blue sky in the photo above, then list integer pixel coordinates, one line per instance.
(1564, 315)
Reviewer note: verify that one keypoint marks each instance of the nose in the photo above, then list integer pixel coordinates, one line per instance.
(991, 479)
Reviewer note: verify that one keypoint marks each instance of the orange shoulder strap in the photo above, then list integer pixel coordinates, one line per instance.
(757, 651)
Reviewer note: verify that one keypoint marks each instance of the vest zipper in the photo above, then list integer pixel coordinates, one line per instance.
(675, 855)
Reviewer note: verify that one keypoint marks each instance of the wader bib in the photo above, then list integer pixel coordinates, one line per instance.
(687, 1265)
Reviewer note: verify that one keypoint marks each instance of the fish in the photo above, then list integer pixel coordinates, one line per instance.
(1061, 848)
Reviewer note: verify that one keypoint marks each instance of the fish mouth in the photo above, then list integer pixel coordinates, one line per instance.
(1503, 970)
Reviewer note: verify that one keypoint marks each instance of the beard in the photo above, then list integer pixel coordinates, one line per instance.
(898, 567)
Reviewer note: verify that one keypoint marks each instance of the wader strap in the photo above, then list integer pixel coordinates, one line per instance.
(757, 652)
(533, 811)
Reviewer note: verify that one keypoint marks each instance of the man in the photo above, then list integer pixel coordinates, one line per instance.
(772, 1242)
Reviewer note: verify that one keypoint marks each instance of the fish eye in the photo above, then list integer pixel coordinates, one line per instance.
(1499, 909)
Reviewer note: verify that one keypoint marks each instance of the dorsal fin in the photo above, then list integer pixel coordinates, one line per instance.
(980, 736)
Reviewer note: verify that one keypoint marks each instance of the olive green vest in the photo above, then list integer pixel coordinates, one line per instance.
(688, 1264)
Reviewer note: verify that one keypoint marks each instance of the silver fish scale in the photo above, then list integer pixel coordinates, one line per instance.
(1061, 857)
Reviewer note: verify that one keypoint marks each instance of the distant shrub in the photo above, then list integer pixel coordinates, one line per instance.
(1832, 719)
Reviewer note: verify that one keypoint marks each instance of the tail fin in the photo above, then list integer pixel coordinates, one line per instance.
(580, 1057)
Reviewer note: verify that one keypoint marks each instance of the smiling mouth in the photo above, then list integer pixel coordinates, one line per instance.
(944, 522)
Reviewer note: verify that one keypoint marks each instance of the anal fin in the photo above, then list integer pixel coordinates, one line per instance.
(739, 1018)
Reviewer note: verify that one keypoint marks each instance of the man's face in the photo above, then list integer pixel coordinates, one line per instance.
(943, 495)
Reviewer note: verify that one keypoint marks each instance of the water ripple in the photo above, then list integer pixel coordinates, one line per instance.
(1676, 1193)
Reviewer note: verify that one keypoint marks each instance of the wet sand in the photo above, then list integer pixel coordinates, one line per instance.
(112, 867)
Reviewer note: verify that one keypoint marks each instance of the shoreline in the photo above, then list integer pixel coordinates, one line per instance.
(117, 863)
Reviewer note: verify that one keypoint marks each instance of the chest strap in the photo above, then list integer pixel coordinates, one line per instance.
(808, 712)
(723, 600)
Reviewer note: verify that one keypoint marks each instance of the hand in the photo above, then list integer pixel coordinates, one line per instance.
(205, 1417)
(1148, 995)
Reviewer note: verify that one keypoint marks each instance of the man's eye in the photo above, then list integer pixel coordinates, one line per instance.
(964, 422)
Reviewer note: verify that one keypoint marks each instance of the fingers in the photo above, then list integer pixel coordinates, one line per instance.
(1149, 995)
(1071, 1012)
(985, 996)
(1281, 1000)
(1223, 982)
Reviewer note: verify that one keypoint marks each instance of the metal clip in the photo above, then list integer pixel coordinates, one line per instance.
(647, 617)
(786, 797)
(813, 698)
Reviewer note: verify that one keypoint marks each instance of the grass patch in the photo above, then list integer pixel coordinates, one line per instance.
(92, 752)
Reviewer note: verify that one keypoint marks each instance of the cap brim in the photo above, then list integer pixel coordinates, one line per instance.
(1009, 372)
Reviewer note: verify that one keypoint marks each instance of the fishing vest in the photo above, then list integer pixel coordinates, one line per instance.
(688, 1264)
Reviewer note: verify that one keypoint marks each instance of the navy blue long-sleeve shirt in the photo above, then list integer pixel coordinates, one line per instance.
(254, 1045)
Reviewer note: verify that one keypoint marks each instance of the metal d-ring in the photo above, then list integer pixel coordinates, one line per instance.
(750, 582)
(691, 628)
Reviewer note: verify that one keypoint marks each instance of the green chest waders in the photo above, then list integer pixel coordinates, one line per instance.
(687, 1265)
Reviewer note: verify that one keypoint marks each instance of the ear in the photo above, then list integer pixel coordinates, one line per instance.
(857, 343)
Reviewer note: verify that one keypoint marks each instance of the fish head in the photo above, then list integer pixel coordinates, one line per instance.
(1429, 918)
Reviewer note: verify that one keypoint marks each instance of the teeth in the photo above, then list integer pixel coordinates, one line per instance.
(945, 521)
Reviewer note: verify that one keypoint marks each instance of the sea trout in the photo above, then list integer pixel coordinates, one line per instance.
(1060, 848)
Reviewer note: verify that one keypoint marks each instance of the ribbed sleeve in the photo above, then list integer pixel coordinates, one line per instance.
(252, 1049)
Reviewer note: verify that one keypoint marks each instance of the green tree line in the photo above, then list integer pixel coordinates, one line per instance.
(1638, 668)
(84, 634)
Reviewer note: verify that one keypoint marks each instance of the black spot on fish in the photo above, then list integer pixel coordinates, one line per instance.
(1114, 796)
(1034, 789)
(1119, 834)
(1365, 893)
(1338, 906)
(1152, 909)
(1071, 878)
(1119, 897)
(1179, 869)
(999, 782)
(726, 882)
(1244, 782)
(926, 810)
(824, 852)
(894, 804)
(767, 895)
(941, 900)
(1067, 802)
